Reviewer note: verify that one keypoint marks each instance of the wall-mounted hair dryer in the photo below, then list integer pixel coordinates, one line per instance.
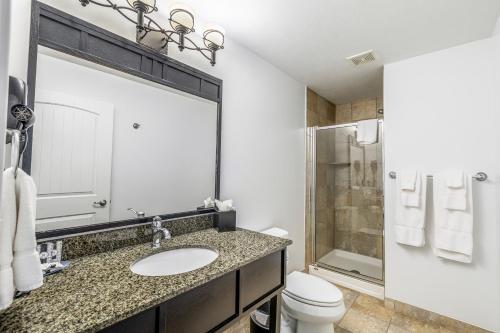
(20, 117)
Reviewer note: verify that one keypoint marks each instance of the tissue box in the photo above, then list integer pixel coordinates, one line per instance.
(225, 221)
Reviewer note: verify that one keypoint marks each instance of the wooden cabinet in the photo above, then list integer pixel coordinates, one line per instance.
(260, 278)
(214, 306)
(204, 308)
(144, 322)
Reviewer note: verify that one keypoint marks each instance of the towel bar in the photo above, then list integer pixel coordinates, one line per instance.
(480, 176)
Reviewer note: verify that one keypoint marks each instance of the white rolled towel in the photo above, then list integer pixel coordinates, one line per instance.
(26, 263)
(8, 217)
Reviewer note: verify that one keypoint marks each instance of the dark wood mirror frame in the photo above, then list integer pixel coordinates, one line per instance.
(68, 34)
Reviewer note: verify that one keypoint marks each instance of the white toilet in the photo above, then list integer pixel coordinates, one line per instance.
(310, 304)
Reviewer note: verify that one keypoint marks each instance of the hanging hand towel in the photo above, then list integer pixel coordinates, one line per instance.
(411, 187)
(7, 231)
(410, 220)
(454, 178)
(453, 231)
(455, 192)
(408, 179)
(26, 263)
(367, 131)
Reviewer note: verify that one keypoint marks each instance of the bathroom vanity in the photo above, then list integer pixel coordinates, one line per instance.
(99, 293)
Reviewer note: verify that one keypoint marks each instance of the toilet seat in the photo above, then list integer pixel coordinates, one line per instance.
(312, 290)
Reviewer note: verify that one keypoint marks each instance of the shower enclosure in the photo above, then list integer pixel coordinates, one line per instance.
(346, 201)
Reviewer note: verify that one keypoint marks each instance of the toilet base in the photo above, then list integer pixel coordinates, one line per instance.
(305, 327)
(291, 325)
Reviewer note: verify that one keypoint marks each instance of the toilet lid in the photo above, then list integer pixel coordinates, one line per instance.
(312, 290)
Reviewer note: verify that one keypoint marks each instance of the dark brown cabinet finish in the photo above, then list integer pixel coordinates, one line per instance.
(260, 278)
(144, 322)
(214, 306)
(204, 308)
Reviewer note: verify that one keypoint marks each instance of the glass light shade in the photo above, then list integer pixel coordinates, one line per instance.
(181, 18)
(213, 37)
(148, 5)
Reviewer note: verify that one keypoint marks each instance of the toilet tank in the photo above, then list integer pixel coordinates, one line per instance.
(277, 232)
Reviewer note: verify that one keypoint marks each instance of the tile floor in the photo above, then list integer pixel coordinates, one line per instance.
(366, 314)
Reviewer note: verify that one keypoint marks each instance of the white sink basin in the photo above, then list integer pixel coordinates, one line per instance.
(173, 262)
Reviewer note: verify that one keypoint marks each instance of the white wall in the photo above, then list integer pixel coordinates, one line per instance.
(496, 40)
(496, 32)
(5, 8)
(442, 111)
(263, 128)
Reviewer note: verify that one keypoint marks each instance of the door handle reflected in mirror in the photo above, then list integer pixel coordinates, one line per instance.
(100, 204)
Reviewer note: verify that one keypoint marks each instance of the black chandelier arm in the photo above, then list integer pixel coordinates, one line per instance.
(157, 26)
(153, 26)
(112, 5)
(107, 5)
(195, 47)
(125, 16)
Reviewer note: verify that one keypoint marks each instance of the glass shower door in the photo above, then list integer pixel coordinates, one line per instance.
(348, 224)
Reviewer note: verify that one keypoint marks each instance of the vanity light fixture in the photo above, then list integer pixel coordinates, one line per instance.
(181, 21)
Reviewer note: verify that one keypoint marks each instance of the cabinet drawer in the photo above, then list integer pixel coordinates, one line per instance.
(204, 308)
(261, 277)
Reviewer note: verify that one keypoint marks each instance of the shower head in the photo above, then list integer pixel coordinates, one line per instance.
(24, 116)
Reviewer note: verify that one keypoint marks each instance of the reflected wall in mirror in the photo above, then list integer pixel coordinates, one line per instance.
(91, 163)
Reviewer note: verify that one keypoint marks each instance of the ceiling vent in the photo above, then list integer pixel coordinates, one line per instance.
(362, 58)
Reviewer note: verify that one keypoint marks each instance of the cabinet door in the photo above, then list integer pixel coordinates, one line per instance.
(204, 308)
(144, 322)
(261, 277)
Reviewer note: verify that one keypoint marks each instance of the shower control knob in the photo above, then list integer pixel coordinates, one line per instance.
(99, 204)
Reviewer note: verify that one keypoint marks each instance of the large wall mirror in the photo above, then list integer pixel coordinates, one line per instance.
(106, 141)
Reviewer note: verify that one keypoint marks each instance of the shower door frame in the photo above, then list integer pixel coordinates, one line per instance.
(311, 133)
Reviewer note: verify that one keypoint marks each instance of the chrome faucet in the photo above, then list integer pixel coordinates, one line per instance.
(159, 232)
(137, 214)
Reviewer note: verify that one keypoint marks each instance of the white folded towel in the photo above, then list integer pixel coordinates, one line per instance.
(455, 178)
(26, 263)
(8, 217)
(455, 193)
(367, 131)
(453, 234)
(408, 179)
(410, 220)
(411, 187)
(455, 199)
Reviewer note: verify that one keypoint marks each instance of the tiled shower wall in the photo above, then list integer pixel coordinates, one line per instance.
(320, 111)
(349, 187)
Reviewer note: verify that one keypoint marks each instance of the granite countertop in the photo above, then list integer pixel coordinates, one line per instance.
(99, 290)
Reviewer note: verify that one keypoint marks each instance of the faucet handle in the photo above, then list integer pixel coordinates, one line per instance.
(157, 222)
(138, 214)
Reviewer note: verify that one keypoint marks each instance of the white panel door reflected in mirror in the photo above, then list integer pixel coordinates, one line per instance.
(86, 149)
